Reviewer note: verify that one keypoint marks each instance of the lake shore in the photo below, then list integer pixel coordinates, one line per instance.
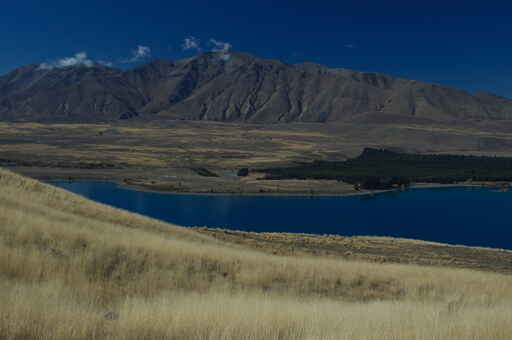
(305, 193)
(376, 249)
(294, 218)
(194, 184)
(183, 181)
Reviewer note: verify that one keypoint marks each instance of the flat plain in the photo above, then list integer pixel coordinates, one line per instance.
(164, 155)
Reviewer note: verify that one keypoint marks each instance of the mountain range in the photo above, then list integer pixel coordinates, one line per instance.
(231, 87)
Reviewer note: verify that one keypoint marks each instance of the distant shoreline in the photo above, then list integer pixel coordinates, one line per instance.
(145, 188)
(302, 194)
(223, 186)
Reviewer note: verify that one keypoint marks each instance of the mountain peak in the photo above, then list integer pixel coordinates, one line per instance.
(231, 86)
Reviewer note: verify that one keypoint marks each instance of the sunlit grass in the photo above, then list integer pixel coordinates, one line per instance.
(75, 269)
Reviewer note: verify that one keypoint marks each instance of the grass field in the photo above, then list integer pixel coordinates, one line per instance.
(74, 269)
(158, 155)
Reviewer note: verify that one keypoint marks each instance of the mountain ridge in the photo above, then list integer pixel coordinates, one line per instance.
(232, 86)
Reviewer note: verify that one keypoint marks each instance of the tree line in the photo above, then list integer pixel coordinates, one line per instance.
(383, 169)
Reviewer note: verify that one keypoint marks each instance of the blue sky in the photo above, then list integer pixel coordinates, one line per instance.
(454, 43)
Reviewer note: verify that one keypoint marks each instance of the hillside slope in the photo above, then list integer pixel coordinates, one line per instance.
(240, 88)
(74, 269)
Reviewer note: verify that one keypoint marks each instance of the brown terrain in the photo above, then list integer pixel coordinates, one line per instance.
(165, 155)
(168, 125)
(234, 87)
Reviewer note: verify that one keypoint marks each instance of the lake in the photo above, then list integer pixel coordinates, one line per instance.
(457, 215)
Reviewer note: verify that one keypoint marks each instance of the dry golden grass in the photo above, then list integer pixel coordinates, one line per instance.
(178, 144)
(74, 269)
(370, 249)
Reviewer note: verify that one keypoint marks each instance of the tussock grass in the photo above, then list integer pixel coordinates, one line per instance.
(74, 269)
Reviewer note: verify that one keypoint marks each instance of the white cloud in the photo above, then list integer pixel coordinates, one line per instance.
(138, 54)
(191, 43)
(350, 46)
(220, 46)
(79, 59)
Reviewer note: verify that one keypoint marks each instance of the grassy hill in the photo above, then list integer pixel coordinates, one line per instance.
(74, 269)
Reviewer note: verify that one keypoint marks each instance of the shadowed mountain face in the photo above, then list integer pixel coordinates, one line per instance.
(234, 87)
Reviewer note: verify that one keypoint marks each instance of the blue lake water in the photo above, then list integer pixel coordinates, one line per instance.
(468, 216)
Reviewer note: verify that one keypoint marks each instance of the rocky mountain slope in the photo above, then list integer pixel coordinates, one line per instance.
(232, 87)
